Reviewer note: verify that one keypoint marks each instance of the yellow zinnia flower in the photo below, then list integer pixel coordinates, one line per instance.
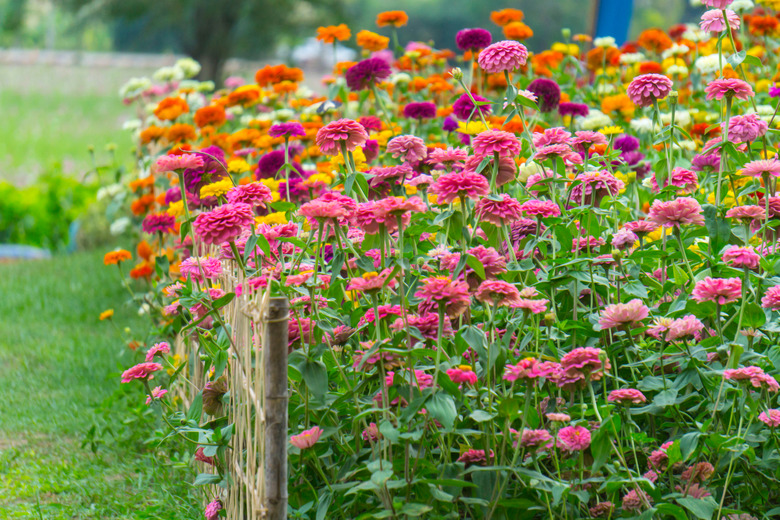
(216, 189)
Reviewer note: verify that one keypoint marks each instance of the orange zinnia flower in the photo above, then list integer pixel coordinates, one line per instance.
(650, 67)
(372, 41)
(331, 33)
(151, 133)
(394, 18)
(170, 108)
(116, 257)
(245, 95)
(517, 31)
(142, 204)
(210, 115)
(763, 25)
(506, 16)
(144, 250)
(180, 133)
(654, 40)
(142, 270)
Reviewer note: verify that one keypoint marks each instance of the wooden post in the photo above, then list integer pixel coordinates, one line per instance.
(275, 378)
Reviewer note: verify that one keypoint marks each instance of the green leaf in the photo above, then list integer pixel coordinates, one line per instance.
(224, 300)
(389, 431)
(323, 505)
(415, 509)
(735, 60)
(481, 416)
(754, 316)
(442, 408)
(702, 508)
(636, 288)
(196, 408)
(688, 444)
(206, 478)
(717, 228)
(475, 264)
(672, 510)
(315, 375)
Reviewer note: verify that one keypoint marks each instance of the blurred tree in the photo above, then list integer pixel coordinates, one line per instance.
(12, 14)
(210, 31)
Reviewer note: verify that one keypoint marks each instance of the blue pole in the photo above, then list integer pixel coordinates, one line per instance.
(614, 18)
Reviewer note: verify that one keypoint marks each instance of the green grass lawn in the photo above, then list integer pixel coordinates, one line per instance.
(61, 369)
(53, 114)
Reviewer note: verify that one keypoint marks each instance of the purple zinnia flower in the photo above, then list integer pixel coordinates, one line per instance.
(449, 124)
(463, 107)
(270, 164)
(365, 73)
(421, 110)
(548, 94)
(470, 39)
(626, 143)
(573, 109)
(213, 169)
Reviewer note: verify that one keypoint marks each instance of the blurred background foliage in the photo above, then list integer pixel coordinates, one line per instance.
(211, 31)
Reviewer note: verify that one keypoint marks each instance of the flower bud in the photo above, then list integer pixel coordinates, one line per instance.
(457, 73)
(566, 32)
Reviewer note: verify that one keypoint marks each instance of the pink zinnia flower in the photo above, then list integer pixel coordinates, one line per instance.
(408, 147)
(762, 167)
(574, 438)
(732, 87)
(584, 140)
(741, 257)
(372, 282)
(329, 206)
(307, 438)
(678, 212)
(452, 185)
(755, 375)
(746, 128)
(470, 457)
(719, 290)
(491, 142)
(771, 418)
(541, 208)
(641, 227)
(624, 239)
(497, 292)
(717, 4)
(212, 510)
(555, 135)
(200, 268)
(552, 151)
(427, 324)
(158, 348)
(502, 56)
(585, 361)
(157, 393)
(530, 305)
(771, 299)
(621, 314)
(506, 168)
(594, 186)
(644, 90)
(524, 369)
(688, 327)
(536, 439)
(172, 163)
(712, 20)
(342, 131)
(256, 194)
(633, 500)
(686, 180)
(499, 212)
(224, 223)
(558, 417)
(462, 374)
(626, 395)
(448, 157)
(442, 290)
(747, 213)
(140, 371)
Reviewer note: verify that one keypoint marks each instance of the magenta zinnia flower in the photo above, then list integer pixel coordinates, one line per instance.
(646, 89)
(503, 56)
(366, 73)
(574, 438)
(212, 510)
(621, 314)
(420, 110)
(719, 290)
(678, 212)
(547, 92)
(460, 184)
(289, 129)
(463, 108)
(140, 371)
(224, 223)
(491, 142)
(499, 212)
(731, 87)
(594, 186)
(462, 374)
(347, 132)
(158, 223)
(307, 438)
(472, 39)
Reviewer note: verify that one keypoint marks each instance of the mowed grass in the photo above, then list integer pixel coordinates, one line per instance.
(59, 363)
(52, 114)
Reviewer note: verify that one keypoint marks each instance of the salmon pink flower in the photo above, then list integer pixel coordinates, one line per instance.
(342, 131)
(499, 212)
(442, 290)
(140, 371)
(157, 393)
(372, 282)
(452, 185)
(686, 328)
(507, 55)
(497, 292)
(224, 223)
(728, 87)
(408, 147)
(471, 457)
(626, 395)
(307, 438)
(771, 299)
(491, 142)
(678, 212)
(741, 257)
(762, 167)
(172, 163)
(621, 314)
(536, 439)
(747, 213)
(158, 348)
(541, 208)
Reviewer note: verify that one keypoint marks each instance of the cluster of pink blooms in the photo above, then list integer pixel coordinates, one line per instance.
(755, 375)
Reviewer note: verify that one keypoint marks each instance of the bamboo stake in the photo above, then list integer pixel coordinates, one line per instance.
(275, 332)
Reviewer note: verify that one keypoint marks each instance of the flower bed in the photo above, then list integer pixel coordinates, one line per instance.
(535, 286)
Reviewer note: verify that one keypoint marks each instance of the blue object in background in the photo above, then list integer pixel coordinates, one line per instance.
(613, 17)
